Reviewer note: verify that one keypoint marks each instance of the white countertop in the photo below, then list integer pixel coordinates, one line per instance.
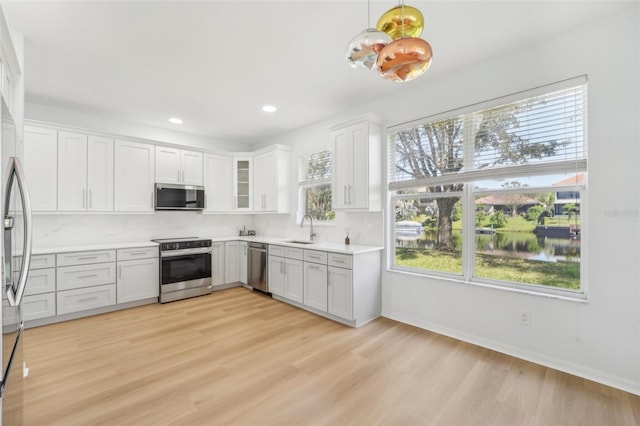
(324, 246)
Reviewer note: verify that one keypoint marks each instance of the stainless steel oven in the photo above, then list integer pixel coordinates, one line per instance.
(185, 268)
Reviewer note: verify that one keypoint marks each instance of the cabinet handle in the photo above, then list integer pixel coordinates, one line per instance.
(178, 176)
(87, 257)
(152, 200)
(120, 272)
(88, 276)
(137, 253)
(313, 267)
(337, 260)
(88, 299)
(350, 187)
(90, 198)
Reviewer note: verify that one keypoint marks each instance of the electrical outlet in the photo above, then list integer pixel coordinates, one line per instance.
(525, 317)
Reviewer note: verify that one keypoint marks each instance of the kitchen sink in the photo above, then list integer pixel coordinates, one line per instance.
(299, 242)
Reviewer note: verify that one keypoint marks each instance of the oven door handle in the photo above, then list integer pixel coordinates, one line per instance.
(185, 252)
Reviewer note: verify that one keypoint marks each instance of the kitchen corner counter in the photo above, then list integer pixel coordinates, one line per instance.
(352, 249)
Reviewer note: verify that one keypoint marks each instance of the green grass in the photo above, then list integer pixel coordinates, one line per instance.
(511, 269)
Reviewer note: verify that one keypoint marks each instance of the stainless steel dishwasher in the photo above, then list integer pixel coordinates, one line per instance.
(257, 267)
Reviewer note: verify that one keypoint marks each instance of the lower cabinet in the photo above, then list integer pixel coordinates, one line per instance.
(315, 286)
(83, 299)
(286, 273)
(138, 279)
(40, 294)
(231, 259)
(217, 264)
(243, 255)
(340, 292)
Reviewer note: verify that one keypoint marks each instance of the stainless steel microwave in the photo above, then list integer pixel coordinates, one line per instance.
(179, 197)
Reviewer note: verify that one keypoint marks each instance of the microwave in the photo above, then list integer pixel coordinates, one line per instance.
(178, 197)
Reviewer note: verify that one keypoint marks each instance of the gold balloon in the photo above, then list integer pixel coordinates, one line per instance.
(401, 23)
(404, 59)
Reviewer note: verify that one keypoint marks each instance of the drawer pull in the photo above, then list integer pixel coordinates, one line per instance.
(313, 257)
(313, 267)
(88, 299)
(137, 253)
(88, 276)
(337, 260)
(87, 257)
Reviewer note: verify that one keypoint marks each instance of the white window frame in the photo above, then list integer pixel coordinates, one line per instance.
(304, 184)
(468, 195)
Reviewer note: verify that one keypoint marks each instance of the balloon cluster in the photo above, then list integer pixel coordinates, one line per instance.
(393, 47)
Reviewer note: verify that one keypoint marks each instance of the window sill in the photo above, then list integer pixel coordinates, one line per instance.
(577, 297)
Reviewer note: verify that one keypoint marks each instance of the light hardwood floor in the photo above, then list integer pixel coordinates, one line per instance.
(239, 358)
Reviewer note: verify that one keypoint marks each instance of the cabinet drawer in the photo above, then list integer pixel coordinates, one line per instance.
(138, 253)
(85, 298)
(340, 260)
(71, 277)
(39, 306)
(38, 261)
(294, 253)
(315, 256)
(41, 281)
(85, 257)
(276, 250)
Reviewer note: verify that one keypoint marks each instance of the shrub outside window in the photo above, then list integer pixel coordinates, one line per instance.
(314, 186)
(492, 193)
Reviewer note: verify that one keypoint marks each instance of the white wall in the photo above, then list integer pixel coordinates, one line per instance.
(597, 339)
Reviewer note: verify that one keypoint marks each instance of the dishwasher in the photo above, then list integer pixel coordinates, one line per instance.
(257, 267)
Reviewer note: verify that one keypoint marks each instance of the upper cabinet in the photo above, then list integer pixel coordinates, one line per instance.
(85, 172)
(134, 177)
(243, 183)
(271, 177)
(40, 148)
(178, 166)
(218, 183)
(357, 169)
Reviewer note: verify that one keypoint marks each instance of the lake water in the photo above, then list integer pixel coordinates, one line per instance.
(512, 244)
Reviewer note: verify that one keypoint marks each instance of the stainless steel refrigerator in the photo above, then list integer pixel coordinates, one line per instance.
(16, 254)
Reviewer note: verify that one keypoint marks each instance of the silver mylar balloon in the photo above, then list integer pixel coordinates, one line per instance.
(363, 50)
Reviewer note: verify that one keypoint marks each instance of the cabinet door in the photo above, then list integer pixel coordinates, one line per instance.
(315, 286)
(137, 280)
(168, 165)
(265, 183)
(218, 182)
(217, 263)
(242, 261)
(342, 169)
(191, 166)
(340, 292)
(293, 280)
(358, 193)
(41, 168)
(134, 165)
(231, 257)
(100, 174)
(72, 171)
(276, 275)
(243, 183)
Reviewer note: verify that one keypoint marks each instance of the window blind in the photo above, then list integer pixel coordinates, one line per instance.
(528, 133)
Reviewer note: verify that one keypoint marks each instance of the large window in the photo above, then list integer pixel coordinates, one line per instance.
(314, 186)
(494, 193)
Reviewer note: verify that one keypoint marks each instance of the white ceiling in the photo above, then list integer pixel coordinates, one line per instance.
(215, 63)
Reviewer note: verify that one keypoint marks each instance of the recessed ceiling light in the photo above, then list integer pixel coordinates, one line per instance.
(269, 108)
(175, 120)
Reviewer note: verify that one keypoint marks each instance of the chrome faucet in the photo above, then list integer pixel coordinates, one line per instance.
(312, 235)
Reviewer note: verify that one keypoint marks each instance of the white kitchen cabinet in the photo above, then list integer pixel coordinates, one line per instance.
(218, 183)
(243, 255)
(340, 292)
(217, 264)
(134, 176)
(85, 172)
(231, 259)
(83, 299)
(137, 279)
(41, 168)
(286, 273)
(40, 294)
(243, 183)
(315, 285)
(271, 180)
(178, 166)
(79, 276)
(357, 168)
